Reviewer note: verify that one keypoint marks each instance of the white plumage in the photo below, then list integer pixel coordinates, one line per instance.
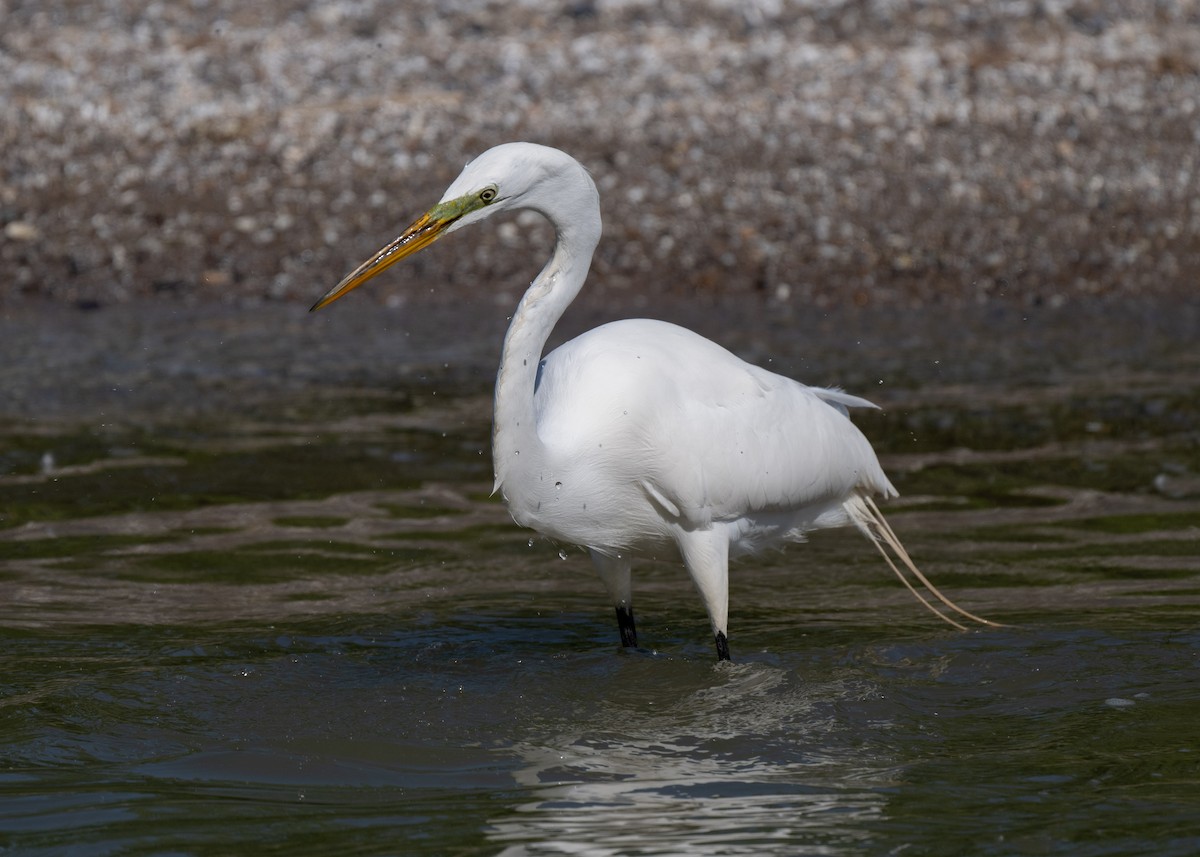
(640, 436)
(649, 428)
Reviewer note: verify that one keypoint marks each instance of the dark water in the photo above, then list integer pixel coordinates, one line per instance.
(254, 596)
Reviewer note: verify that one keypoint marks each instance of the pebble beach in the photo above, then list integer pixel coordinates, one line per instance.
(805, 153)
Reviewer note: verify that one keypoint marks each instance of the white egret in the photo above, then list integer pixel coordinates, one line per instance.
(641, 436)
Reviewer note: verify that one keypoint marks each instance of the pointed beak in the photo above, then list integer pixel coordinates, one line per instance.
(421, 234)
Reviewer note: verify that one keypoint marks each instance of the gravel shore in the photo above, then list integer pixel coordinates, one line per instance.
(836, 153)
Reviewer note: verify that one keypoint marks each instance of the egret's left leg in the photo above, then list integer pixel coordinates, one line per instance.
(706, 555)
(615, 572)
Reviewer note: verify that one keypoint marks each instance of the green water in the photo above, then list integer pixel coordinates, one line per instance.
(297, 622)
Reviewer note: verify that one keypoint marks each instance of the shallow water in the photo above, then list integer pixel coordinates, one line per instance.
(300, 624)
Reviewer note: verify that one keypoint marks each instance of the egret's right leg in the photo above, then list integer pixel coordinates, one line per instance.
(706, 555)
(615, 572)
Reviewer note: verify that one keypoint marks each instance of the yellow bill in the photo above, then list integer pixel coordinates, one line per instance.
(419, 235)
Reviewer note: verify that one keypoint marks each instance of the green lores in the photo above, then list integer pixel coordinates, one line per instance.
(452, 209)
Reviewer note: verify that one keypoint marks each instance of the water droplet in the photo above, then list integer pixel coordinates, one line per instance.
(531, 542)
(557, 486)
(562, 554)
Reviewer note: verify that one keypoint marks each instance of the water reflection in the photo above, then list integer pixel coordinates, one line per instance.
(753, 759)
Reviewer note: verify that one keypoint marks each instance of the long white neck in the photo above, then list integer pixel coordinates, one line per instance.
(575, 212)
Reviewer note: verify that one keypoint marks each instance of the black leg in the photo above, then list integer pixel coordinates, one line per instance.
(722, 646)
(625, 623)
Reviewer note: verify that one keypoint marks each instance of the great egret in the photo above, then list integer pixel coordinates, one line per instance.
(640, 435)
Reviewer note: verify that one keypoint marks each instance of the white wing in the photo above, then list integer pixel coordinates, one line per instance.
(708, 436)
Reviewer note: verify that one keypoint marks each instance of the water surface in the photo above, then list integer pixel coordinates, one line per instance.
(255, 594)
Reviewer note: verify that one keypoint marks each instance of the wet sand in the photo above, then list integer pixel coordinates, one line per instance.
(162, 362)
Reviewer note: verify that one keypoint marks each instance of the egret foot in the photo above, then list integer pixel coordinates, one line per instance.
(625, 624)
(722, 646)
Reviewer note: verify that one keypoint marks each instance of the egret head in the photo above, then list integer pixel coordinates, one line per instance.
(506, 177)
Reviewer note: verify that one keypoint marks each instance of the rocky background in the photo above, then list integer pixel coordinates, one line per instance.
(837, 153)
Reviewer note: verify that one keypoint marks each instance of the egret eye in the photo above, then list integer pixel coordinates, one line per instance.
(487, 194)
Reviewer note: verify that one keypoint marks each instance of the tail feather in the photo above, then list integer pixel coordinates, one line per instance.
(870, 521)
